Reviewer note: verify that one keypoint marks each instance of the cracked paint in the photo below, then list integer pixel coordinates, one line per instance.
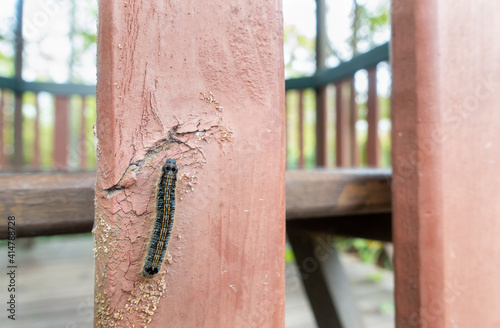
(132, 198)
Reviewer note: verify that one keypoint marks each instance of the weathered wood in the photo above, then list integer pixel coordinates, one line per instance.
(445, 158)
(66, 205)
(181, 80)
(47, 204)
(323, 193)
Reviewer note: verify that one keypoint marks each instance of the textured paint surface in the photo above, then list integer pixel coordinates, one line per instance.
(203, 84)
(446, 152)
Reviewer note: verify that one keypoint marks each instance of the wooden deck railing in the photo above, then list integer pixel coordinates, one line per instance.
(49, 204)
(70, 148)
(345, 151)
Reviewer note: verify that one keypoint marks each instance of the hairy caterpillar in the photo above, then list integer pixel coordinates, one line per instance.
(165, 208)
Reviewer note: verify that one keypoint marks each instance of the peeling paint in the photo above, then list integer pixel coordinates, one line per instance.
(119, 269)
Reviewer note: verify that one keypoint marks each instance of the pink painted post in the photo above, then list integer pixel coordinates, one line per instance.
(202, 84)
(446, 155)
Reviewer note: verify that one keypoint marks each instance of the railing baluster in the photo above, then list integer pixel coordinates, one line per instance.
(61, 133)
(82, 144)
(301, 129)
(353, 110)
(339, 126)
(18, 133)
(344, 143)
(372, 143)
(321, 124)
(36, 146)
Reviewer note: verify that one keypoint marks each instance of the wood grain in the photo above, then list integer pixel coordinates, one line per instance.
(47, 204)
(179, 79)
(334, 192)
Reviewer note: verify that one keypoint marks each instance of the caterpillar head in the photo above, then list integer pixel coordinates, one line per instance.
(170, 166)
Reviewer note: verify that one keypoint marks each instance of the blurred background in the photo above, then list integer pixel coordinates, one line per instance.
(59, 46)
(47, 113)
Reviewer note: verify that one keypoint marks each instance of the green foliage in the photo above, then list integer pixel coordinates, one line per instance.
(369, 251)
(387, 308)
(289, 256)
(368, 21)
(6, 65)
(82, 37)
(298, 45)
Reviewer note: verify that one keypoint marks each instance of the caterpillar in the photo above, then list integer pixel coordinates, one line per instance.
(165, 208)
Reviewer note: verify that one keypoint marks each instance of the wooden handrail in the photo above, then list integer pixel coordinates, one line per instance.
(343, 70)
(49, 204)
(62, 89)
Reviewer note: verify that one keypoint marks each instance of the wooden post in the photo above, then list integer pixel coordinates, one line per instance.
(61, 133)
(202, 84)
(446, 83)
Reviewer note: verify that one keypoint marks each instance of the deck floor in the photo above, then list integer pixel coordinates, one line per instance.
(56, 275)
